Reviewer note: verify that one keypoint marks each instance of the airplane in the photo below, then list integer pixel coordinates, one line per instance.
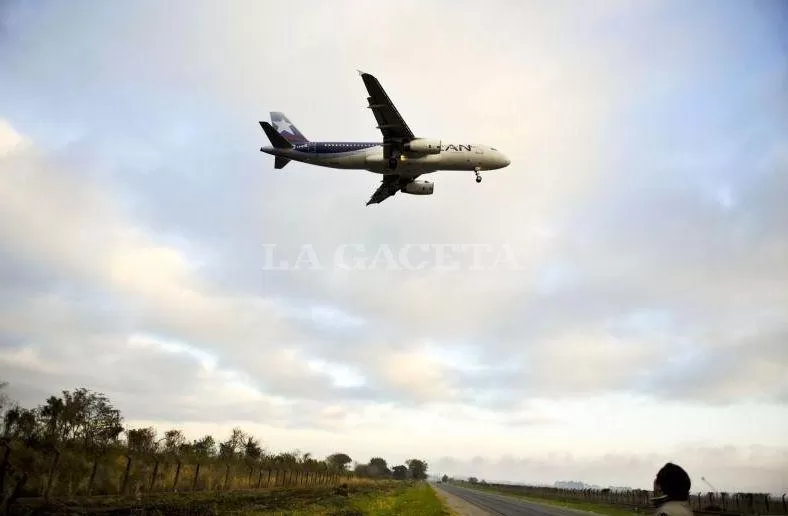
(400, 157)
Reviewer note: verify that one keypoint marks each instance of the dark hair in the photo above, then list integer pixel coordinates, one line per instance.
(674, 481)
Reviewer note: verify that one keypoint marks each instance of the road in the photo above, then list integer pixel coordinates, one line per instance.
(496, 504)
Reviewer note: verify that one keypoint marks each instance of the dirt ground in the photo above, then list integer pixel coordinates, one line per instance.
(459, 506)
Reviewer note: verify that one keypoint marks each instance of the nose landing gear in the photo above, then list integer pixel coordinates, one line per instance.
(478, 177)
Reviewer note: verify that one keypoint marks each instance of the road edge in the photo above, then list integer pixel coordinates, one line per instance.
(451, 504)
(546, 503)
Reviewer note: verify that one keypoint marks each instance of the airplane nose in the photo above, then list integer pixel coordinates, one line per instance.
(505, 161)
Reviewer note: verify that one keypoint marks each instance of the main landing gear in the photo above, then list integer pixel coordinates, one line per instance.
(478, 177)
(393, 162)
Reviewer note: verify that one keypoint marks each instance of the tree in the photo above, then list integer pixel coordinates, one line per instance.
(72, 441)
(338, 461)
(21, 423)
(3, 396)
(473, 480)
(205, 447)
(142, 441)
(90, 420)
(173, 441)
(445, 478)
(378, 468)
(51, 414)
(400, 472)
(361, 470)
(417, 469)
(252, 449)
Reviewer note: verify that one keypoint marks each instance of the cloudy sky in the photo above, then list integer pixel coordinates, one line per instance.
(631, 306)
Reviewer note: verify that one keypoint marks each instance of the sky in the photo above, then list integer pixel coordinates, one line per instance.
(629, 305)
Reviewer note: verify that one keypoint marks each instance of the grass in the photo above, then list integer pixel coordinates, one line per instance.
(364, 497)
(384, 499)
(582, 505)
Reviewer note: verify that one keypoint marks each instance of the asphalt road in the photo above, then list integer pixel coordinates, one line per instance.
(505, 505)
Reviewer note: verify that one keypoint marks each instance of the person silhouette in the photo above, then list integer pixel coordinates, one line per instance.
(672, 491)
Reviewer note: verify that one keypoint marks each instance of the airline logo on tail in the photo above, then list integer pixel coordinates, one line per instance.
(286, 128)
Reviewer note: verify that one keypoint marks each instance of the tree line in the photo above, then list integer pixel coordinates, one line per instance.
(77, 444)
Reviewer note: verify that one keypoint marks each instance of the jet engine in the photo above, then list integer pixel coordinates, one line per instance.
(424, 146)
(418, 188)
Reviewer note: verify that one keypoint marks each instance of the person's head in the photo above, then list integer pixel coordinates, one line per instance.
(672, 482)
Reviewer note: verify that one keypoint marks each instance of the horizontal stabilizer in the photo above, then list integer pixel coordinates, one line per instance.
(281, 161)
(277, 140)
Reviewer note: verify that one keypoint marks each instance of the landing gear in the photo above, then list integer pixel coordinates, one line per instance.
(392, 163)
(478, 177)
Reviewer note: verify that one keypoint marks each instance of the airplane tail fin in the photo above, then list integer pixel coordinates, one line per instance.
(286, 129)
(276, 139)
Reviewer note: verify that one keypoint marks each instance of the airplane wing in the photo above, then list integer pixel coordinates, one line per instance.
(389, 186)
(391, 124)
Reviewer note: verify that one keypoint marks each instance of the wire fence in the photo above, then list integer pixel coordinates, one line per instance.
(640, 500)
(31, 474)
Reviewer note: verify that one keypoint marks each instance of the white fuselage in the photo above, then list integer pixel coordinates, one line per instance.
(369, 156)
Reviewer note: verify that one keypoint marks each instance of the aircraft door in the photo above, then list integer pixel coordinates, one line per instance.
(478, 155)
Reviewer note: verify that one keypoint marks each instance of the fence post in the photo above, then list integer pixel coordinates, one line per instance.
(92, 475)
(177, 476)
(4, 466)
(196, 476)
(153, 476)
(51, 474)
(126, 475)
(14, 493)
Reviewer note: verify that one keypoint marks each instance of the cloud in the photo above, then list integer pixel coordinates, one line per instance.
(10, 140)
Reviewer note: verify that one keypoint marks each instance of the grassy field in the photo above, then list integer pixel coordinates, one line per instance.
(362, 498)
(595, 507)
(387, 498)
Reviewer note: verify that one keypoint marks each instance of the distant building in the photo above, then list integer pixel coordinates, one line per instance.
(577, 485)
(620, 489)
(572, 484)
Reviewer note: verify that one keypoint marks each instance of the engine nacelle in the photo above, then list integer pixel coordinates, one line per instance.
(424, 146)
(418, 188)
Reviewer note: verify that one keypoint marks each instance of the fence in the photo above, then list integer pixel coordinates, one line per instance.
(26, 473)
(712, 503)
